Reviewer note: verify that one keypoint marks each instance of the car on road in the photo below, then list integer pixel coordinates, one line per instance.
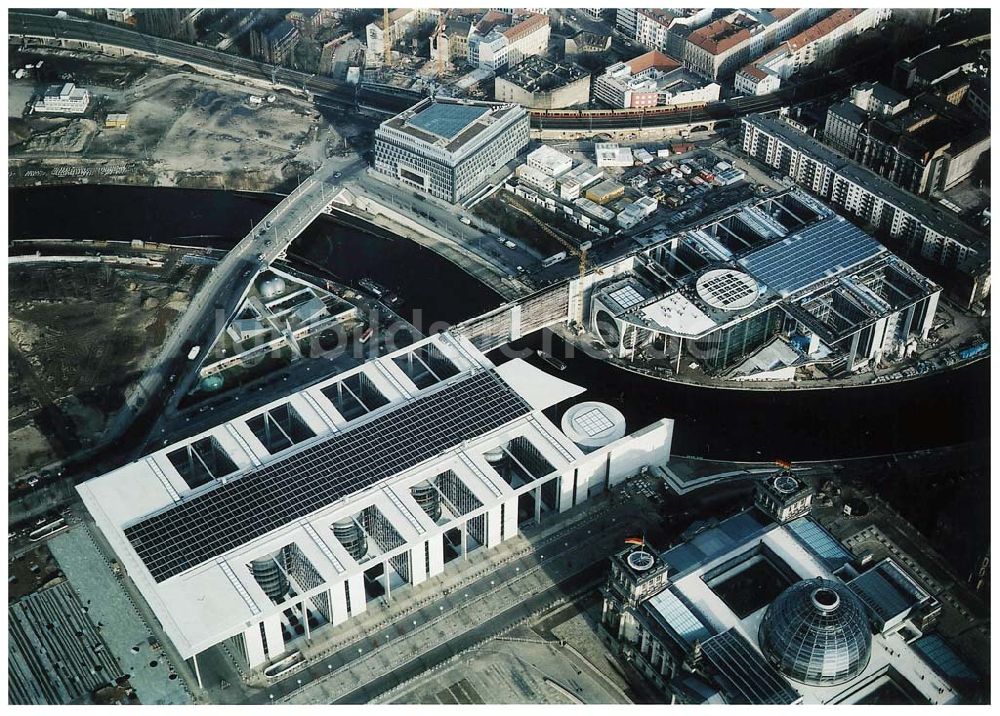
(336, 175)
(465, 220)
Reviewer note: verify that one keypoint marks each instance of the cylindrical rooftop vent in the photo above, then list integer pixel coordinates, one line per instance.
(428, 498)
(269, 576)
(352, 537)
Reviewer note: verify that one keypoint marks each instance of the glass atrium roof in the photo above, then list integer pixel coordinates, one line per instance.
(446, 120)
(745, 677)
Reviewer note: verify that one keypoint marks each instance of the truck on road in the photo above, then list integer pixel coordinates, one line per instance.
(193, 353)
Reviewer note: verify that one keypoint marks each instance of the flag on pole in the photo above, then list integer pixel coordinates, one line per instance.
(787, 464)
(635, 540)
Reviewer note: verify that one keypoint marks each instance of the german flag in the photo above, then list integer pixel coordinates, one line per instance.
(787, 464)
(635, 540)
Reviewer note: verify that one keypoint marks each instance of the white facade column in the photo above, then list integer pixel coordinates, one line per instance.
(305, 618)
(537, 493)
(436, 545)
(510, 519)
(197, 671)
(493, 527)
(338, 602)
(385, 577)
(273, 636)
(932, 303)
(356, 587)
(418, 563)
(465, 540)
(567, 484)
(253, 645)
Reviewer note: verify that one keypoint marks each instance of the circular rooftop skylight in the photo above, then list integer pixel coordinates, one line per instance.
(640, 560)
(727, 289)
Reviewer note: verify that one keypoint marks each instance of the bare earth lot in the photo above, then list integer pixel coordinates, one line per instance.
(184, 128)
(78, 336)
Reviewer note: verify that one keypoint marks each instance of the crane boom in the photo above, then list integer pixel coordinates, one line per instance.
(386, 42)
(579, 251)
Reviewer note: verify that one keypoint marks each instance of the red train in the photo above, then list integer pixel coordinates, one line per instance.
(605, 113)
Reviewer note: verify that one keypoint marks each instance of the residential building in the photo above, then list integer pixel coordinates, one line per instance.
(813, 48)
(878, 99)
(667, 30)
(978, 98)
(449, 148)
(924, 146)
(786, 266)
(844, 124)
(275, 45)
(501, 40)
(452, 41)
(123, 16)
(315, 508)
(585, 43)
(63, 99)
(652, 80)
(308, 21)
(625, 21)
(400, 21)
(720, 48)
(540, 84)
(754, 610)
(936, 65)
(920, 227)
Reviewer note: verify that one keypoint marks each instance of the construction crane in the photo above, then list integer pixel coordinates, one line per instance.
(579, 251)
(437, 39)
(386, 42)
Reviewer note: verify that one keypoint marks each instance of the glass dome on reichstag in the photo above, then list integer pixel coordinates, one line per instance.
(816, 632)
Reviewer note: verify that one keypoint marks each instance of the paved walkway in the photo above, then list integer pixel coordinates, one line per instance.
(107, 604)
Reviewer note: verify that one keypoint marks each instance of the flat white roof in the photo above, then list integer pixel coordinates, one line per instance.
(679, 316)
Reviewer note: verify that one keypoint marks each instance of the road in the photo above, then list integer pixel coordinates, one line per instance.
(217, 300)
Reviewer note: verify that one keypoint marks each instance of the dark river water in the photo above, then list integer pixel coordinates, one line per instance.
(944, 409)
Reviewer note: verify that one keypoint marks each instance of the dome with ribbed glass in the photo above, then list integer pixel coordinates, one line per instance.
(816, 632)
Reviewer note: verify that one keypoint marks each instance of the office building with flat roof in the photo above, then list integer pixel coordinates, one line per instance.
(782, 266)
(312, 509)
(756, 610)
(541, 84)
(449, 148)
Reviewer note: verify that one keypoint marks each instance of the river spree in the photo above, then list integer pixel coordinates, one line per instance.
(941, 409)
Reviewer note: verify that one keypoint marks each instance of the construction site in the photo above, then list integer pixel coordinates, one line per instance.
(154, 125)
(80, 333)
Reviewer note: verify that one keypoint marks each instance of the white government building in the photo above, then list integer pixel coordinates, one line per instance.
(305, 511)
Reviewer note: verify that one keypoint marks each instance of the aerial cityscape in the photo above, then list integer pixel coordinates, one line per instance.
(498, 356)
